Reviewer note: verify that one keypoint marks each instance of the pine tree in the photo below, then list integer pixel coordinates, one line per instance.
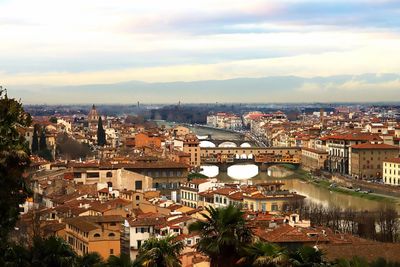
(101, 134)
(14, 159)
(42, 141)
(35, 143)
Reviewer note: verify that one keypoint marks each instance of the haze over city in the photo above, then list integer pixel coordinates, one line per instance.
(166, 51)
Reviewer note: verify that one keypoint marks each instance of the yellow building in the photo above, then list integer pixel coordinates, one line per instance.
(391, 171)
(99, 234)
(270, 202)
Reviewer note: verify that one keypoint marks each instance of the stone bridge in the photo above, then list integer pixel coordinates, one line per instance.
(264, 157)
(209, 143)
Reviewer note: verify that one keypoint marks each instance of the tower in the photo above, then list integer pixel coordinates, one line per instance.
(93, 118)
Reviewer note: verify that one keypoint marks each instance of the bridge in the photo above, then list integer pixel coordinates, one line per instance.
(264, 157)
(210, 143)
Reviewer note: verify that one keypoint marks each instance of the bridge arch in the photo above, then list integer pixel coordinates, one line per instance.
(206, 143)
(245, 144)
(227, 144)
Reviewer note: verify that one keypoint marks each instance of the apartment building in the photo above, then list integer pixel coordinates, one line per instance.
(99, 234)
(391, 171)
(366, 159)
(313, 159)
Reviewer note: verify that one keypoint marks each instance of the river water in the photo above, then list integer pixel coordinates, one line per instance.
(314, 194)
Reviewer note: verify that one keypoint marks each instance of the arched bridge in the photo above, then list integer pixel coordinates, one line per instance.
(263, 157)
(211, 143)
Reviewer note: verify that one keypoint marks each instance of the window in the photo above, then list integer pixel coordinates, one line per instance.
(96, 235)
(138, 185)
(137, 197)
(111, 235)
(109, 174)
(113, 224)
(92, 175)
(111, 251)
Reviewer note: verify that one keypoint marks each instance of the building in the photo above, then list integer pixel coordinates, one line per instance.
(144, 140)
(366, 159)
(190, 191)
(391, 171)
(191, 146)
(99, 234)
(313, 159)
(93, 119)
(339, 149)
(225, 121)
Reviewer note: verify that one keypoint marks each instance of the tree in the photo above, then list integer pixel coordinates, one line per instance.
(223, 235)
(52, 251)
(53, 120)
(14, 159)
(42, 141)
(306, 257)
(92, 259)
(101, 134)
(35, 143)
(121, 261)
(69, 148)
(263, 254)
(160, 252)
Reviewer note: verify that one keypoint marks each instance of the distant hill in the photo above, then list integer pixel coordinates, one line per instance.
(344, 88)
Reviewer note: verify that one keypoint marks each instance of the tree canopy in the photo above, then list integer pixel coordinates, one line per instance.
(14, 159)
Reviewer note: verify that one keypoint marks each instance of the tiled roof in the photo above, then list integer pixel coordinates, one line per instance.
(375, 146)
(394, 160)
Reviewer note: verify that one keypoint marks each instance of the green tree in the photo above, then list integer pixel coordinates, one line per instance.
(306, 257)
(92, 259)
(160, 252)
(52, 251)
(35, 142)
(53, 120)
(223, 235)
(122, 261)
(101, 134)
(14, 159)
(42, 141)
(354, 262)
(262, 254)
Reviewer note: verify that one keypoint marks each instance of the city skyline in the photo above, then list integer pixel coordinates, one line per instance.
(49, 48)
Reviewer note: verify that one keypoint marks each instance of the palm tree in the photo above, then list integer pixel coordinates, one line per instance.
(92, 259)
(306, 257)
(262, 254)
(223, 235)
(122, 260)
(354, 262)
(159, 252)
(53, 251)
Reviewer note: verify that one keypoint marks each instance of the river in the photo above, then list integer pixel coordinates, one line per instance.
(313, 193)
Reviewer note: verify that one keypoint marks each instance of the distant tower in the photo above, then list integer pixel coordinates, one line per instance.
(138, 105)
(93, 118)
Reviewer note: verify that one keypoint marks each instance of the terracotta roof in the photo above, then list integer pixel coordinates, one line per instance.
(394, 160)
(289, 234)
(153, 220)
(375, 146)
(354, 137)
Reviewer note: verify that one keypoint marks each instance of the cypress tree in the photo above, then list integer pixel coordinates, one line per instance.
(35, 143)
(42, 141)
(101, 134)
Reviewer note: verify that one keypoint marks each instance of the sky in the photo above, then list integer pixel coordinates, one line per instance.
(48, 47)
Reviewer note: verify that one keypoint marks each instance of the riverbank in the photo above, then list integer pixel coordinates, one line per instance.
(324, 183)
